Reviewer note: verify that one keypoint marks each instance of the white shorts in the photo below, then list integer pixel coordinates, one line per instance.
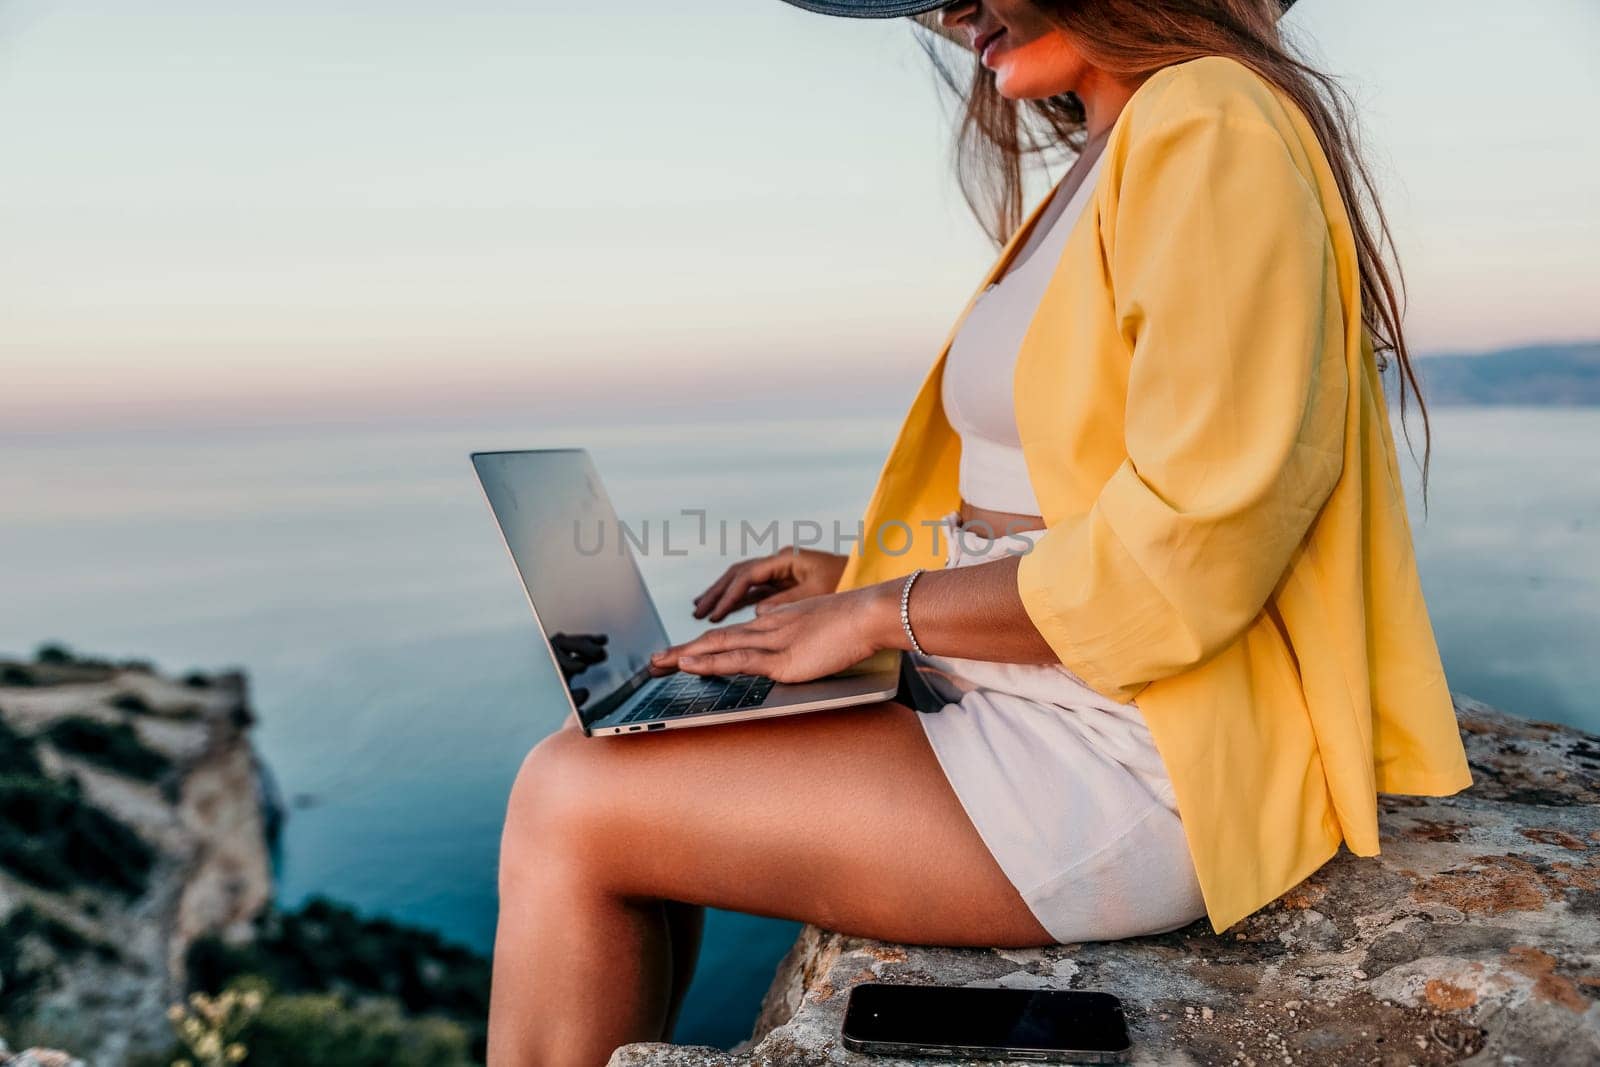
(1065, 786)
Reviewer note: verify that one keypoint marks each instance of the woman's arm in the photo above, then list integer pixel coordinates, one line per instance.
(1229, 295)
(971, 612)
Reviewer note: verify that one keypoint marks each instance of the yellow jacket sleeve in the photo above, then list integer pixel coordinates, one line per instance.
(1227, 296)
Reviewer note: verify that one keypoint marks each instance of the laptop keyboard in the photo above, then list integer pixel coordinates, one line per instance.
(686, 694)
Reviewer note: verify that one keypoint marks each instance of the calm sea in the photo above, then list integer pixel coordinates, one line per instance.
(358, 577)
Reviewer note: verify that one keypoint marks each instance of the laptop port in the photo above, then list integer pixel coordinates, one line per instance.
(658, 726)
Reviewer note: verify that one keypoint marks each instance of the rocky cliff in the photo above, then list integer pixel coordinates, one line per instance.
(1474, 937)
(132, 823)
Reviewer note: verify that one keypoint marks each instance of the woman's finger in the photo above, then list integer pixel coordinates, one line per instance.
(735, 661)
(713, 595)
(745, 635)
(714, 591)
(759, 571)
(667, 658)
(761, 634)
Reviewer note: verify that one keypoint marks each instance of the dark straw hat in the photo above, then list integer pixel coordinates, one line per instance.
(871, 9)
(889, 9)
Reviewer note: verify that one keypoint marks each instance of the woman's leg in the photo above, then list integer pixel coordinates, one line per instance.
(840, 818)
(685, 923)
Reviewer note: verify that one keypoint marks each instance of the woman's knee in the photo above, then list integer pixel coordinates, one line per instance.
(557, 795)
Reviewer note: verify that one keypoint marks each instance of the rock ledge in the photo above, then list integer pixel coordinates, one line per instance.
(1474, 937)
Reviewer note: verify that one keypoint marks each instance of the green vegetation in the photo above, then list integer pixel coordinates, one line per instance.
(209, 1028)
(249, 1022)
(28, 921)
(56, 664)
(337, 1030)
(17, 675)
(114, 746)
(54, 838)
(59, 655)
(26, 973)
(326, 948)
(129, 701)
(323, 986)
(330, 1030)
(17, 753)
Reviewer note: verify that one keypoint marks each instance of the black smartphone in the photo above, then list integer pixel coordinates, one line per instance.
(1041, 1025)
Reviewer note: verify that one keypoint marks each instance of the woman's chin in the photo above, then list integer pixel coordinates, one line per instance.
(1016, 85)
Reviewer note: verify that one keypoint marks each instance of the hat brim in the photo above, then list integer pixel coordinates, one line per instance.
(870, 9)
(893, 9)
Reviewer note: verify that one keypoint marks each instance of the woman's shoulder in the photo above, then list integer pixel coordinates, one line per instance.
(1215, 120)
(1215, 88)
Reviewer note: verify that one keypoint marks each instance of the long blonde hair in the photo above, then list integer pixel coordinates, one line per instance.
(996, 138)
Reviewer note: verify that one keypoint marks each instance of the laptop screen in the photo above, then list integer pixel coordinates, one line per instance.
(578, 570)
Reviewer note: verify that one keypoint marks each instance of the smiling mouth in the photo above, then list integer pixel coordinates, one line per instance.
(985, 42)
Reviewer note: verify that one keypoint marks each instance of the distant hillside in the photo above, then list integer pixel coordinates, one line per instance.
(1557, 375)
(136, 826)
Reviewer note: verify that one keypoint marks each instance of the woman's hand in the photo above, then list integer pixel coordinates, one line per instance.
(785, 576)
(795, 642)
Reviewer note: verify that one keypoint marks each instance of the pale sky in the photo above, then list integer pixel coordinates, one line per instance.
(316, 209)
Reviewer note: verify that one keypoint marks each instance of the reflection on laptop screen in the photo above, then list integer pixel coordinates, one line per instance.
(580, 575)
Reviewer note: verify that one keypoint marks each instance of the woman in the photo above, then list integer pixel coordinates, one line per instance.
(1176, 685)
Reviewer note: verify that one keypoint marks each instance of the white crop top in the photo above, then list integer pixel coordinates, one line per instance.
(977, 386)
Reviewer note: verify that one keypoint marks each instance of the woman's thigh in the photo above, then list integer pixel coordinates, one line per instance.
(839, 818)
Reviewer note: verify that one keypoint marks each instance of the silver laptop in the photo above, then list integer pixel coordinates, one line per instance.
(599, 622)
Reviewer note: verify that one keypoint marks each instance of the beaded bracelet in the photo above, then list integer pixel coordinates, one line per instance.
(905, 612)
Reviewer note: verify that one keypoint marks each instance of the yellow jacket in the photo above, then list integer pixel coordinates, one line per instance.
(1205, 430)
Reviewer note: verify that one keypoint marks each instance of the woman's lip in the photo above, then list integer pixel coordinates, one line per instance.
(987, 43)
